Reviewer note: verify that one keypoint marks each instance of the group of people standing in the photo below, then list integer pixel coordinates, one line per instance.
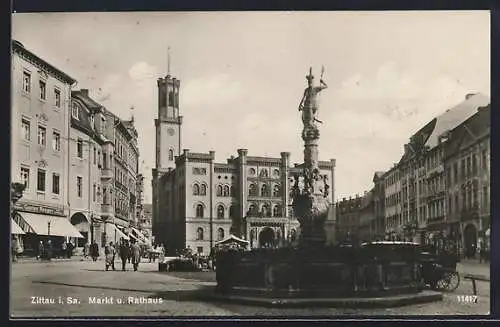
(128, 251)
(91, 250)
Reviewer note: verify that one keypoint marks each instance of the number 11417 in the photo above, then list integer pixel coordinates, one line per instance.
(467, 298)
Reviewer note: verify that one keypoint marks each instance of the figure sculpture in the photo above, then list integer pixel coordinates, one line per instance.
(310, 200)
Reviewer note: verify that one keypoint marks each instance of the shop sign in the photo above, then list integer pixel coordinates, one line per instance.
(45, 210)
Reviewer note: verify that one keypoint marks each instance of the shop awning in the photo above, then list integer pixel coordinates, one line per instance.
(136, 238)
(115, 229)
(137, 234)
(48, 225)
(14, 228)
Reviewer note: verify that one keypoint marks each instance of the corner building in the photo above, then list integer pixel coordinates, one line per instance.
(41, 96)
(197, 201)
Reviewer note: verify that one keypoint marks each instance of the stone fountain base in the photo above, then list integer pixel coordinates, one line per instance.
(328, 276)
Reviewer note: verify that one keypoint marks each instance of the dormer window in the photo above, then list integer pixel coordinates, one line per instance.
(75, 111)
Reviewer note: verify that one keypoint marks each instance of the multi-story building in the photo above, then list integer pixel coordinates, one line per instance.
(146, 222)
(415, 188)
(41, 96)
(86, 142)
(348, 218)
(197, 201)
(378, 224)
(467, 169)
(366, 231)
(392, 203)
(119, 178)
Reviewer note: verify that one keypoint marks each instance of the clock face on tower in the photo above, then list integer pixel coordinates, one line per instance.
(171, 131)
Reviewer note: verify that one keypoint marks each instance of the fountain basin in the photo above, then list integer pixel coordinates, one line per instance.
(326, 275)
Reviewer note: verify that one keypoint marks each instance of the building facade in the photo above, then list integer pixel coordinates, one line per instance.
(41, 96)
(197, 201)
(119, 178)
(72, 154)
(86, 142)
(467, 170)
(203, 201)
(417, 205)
(348, 212)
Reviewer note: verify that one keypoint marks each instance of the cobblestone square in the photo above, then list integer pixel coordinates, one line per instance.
(95, 292)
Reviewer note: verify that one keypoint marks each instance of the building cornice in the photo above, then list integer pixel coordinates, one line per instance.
(43, 65)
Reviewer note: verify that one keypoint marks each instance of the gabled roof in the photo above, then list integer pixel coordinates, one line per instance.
(428, 136)
(455, 116)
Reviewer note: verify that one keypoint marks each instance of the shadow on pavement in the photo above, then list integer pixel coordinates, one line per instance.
(200, 294)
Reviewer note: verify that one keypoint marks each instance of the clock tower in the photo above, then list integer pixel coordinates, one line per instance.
(168, 140)
(168, 124)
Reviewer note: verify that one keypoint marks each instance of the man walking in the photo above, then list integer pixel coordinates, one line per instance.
(124, 252)
(136, 254)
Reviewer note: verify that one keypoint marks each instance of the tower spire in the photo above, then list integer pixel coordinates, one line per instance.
(168, 59)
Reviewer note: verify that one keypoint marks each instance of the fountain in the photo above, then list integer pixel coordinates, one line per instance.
(313, 273)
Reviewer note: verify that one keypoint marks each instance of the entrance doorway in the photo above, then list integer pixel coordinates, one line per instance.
(266, 237)
(470, 240)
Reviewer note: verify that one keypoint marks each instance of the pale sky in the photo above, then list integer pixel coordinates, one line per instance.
(243, 74)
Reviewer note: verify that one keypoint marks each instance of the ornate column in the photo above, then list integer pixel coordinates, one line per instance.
(310, 201)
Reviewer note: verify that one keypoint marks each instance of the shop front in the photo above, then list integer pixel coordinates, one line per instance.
(43, 223)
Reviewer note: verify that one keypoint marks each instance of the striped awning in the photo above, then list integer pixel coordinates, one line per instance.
(47, 225)
(115, 232)
(15, 228)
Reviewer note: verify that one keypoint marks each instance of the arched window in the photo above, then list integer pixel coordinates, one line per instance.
(232, 211)
(171, 155)
(196, 189)
(226, 190)
(233, 190)
(203, 189)
(220, 211)
(199, 234)
(252, 210)
(276, 211)
(265, 211)
(220, 234)
(263, 173)
(199, 211)
(219, 190)
(264, 191)
(276, 191)
(252, 190)
(171, 98)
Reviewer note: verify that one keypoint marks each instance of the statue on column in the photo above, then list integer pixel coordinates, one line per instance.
(309, 103)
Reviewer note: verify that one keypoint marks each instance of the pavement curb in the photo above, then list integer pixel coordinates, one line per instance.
(378, 302)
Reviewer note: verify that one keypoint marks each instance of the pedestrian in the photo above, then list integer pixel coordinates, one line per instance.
(136, 254)
(70, 250)
(109, 255)
(123, 250)
(49, 250)
(64, 249)
(40, 250)
(481, 251)
(129, 258)
(162, 253)
(94, 251)
(114, 255)
(14, 248)
(86, 249)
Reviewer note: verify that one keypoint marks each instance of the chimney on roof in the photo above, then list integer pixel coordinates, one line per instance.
(469, 95)
(85, 92)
